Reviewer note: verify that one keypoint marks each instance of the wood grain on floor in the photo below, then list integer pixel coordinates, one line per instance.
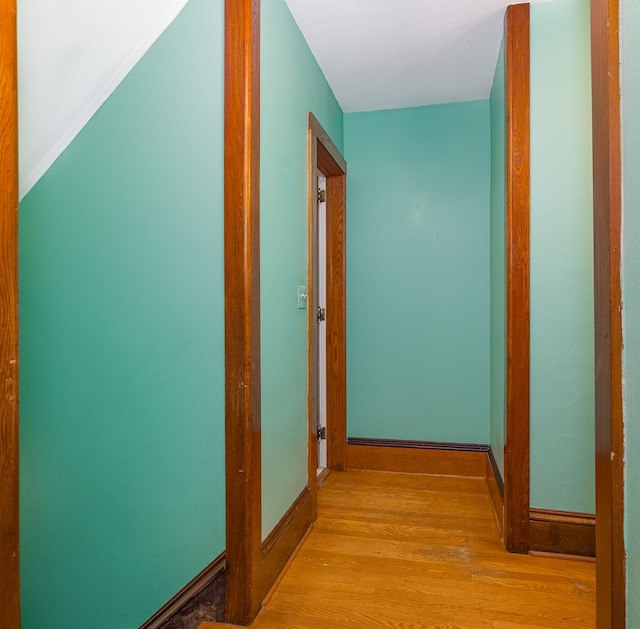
(404, 551)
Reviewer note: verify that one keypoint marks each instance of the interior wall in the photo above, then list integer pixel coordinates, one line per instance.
(631, 295)
(292, 85)
(498, 262)
(418, 273)
(562, 361)
(122, 345)
(71, 56)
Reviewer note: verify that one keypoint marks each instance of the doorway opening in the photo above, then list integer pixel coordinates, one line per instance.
(327, 307)
(321, 319)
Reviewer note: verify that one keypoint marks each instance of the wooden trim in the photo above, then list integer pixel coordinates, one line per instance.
(9, 403)
(336, 321)
(323, 477)
(242, 308)
(333, 163)
(607, 189)
(562, 532)
(283, 572)
(517, 71)
(214, 572)
(416, 460)
(326, 159)
(563, 517)
(495, 472)
(584, 558)
(495, 488)
(281, 543)
(419, 445)
(313, 401)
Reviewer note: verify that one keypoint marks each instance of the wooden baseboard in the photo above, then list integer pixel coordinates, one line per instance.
(212, 579)
(277, 548)
(497, 476)
(562, 532)
(281, 543)
(322, 477)
(283, 572)
(417, 457)
(496, 490)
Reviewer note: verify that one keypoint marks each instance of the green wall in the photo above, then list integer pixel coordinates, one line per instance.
(631, 295)
(418, 273)
(498, 262)
(562, 371)
(122, 372)
(292, 86)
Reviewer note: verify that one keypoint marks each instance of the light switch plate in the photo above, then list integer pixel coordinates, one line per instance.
(302, 297)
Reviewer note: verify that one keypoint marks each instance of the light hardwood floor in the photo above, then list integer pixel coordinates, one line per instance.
(404, 551)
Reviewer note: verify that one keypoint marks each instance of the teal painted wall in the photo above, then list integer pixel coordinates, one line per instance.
(418, 273)
(122, 372)
(562, 371)
(498, 262)
(631, 295)
(292, 86)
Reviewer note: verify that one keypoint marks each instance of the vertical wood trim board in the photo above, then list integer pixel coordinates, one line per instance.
(242, 308)
(9, 425)
(251, 566)
(516, 481)
(607, 183)
(332, 165)
(336, 324)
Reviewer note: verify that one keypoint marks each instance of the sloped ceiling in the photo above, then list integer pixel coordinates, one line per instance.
(387, 54)
(71, 56)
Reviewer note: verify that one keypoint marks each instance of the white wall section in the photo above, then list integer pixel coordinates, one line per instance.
(72, 54)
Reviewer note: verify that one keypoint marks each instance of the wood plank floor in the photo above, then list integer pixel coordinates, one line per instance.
(403, 551)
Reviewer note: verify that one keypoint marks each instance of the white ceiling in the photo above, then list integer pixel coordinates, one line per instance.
(388, 54)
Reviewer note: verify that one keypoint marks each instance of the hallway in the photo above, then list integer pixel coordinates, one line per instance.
(409, 552)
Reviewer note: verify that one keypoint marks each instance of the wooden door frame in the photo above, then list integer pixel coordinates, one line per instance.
(9, 322)
(607, 188)
(326, 159)
(517, 437)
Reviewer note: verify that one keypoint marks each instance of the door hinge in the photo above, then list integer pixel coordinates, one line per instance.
(322, 196)
(322, 432)
(322, 314)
